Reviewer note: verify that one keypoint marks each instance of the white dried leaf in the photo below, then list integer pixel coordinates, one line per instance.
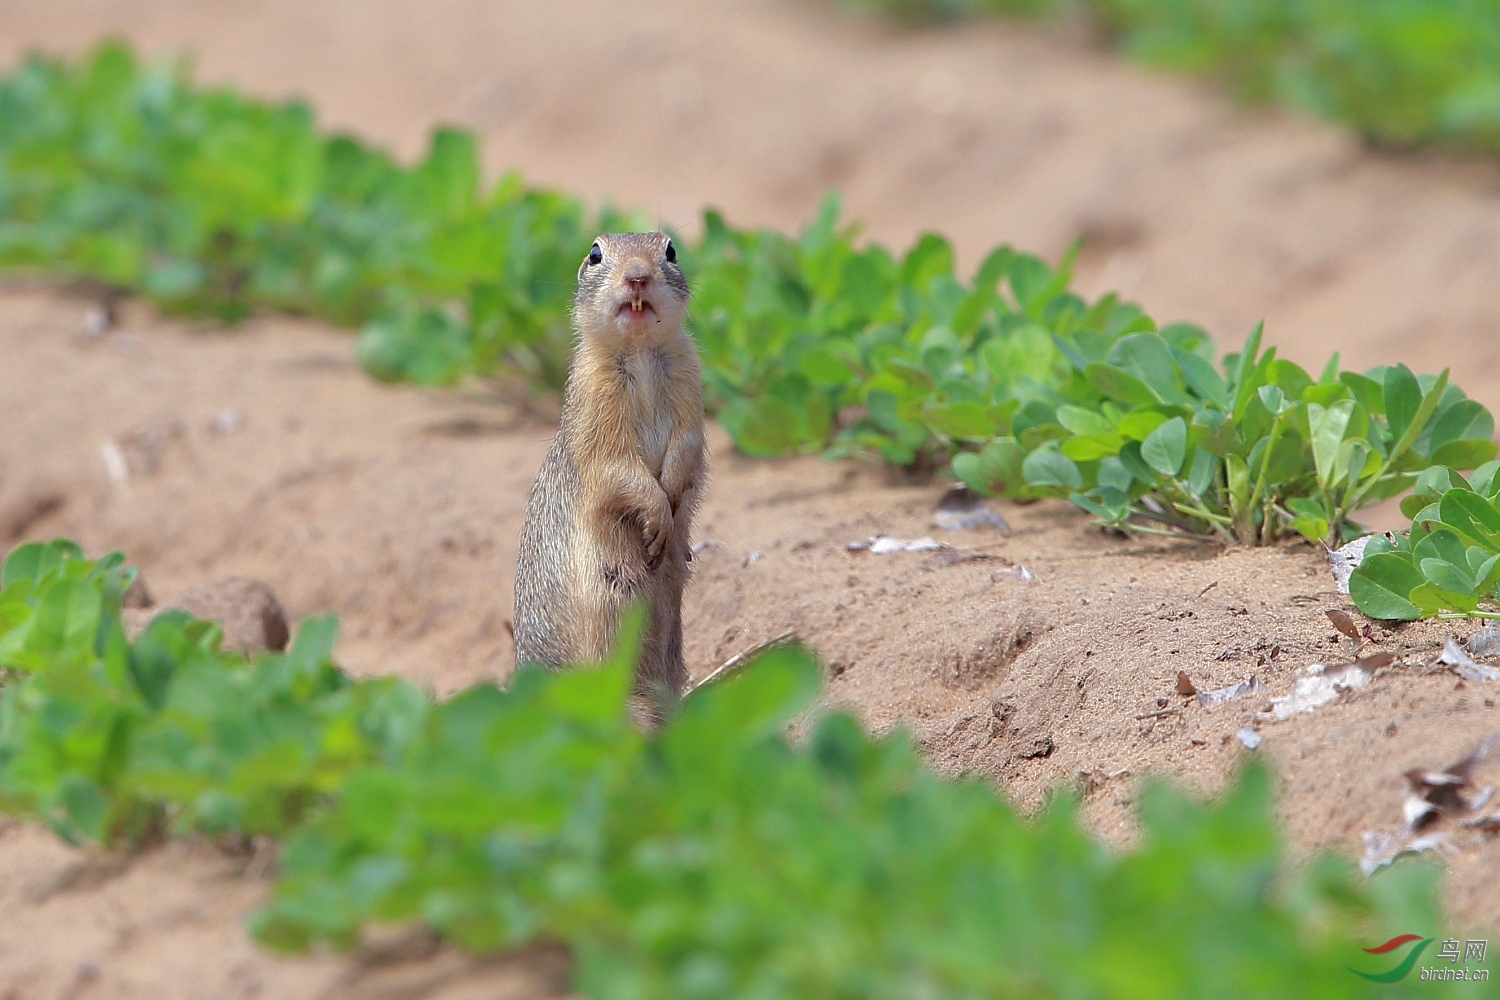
(1485, 642)
(1381, 848)
(1415, 809)
(1454, 656)
(1343, 561)
(97, 321)
(1434, 779)
(1490, 821)
(1250, 685)
(1249, 738)
(1432, 842)
(228, 421)
(115, 465)
(1318, 687)
(884, 545)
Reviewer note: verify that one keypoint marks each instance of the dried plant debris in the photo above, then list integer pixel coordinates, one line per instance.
(1250, 685)
(1344, 560)
(1485, 642)
(1317, 687)
(961, 508)
(1454, 658)
(1344, 622)
(1441, 811)
(881, 545)
(1019, 572)
(1383, 846)
(1185, 686)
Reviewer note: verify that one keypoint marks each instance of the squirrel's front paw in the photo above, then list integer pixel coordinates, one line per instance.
(656, 531)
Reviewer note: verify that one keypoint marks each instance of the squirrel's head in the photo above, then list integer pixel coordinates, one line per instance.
(629, 285)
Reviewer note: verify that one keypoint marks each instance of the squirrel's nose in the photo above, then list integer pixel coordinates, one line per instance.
(638, 274)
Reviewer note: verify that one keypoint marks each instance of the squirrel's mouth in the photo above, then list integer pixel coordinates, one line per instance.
(635, 309)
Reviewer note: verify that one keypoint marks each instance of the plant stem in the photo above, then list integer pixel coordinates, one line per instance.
(1265, 462)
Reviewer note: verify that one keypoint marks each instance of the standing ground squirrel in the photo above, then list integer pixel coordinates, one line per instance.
(609, 516)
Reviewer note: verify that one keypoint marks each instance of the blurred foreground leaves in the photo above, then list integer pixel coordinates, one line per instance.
(713, 858)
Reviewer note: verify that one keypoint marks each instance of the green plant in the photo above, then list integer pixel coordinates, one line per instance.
(1404, 72)
(712, 858)
(107, 739)
(214, 204)
(1156, 439)
(1448, 564)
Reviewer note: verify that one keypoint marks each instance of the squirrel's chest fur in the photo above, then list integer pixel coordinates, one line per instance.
(644, 398)
(630, 405)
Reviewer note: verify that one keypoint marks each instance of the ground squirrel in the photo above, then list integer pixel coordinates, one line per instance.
(609, 516)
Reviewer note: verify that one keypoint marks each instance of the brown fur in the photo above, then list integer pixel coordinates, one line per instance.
(610, 516)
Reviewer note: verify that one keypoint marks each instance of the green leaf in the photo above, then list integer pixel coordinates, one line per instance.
(1201, 471)
(1147, 356)
(1464, 420)
(1138, 424)
(1328, 425)
(1245, 384)
(1105, 502)
(1472, 517)
(764, 426)
(994, 469)
(1201, 377)
(1446, 576)
(749, 705)
(1118, 384)
(1403, 398)
(1166, 447)
(33, 560)
(1047, 466)
(1430, 599)
(1464, 453)
(1485, 480)
(1355, 459)
(1382, 584)
(1082, 421)
(1423, 412)
(1310, 520)
(960, 421)
(1091, 447)
(67, 617)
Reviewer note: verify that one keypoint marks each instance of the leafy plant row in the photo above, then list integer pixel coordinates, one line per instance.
(1403, 72)
(1448, 564)
(215, 204)
(713, 858)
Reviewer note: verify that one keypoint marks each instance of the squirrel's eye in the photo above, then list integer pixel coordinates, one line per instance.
(671, 252)
(595, 254)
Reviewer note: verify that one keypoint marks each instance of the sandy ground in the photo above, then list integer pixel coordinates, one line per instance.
(264, 452)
